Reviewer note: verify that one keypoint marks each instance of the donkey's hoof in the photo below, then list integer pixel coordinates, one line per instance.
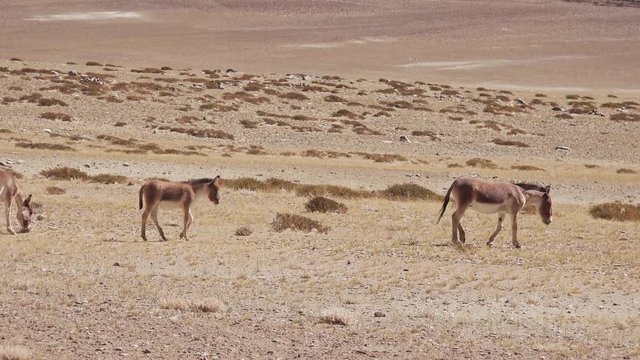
(11, 232)
(517, 246)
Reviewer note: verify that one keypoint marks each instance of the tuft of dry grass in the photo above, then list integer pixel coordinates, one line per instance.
(625, 117)
(482, 163)
(67, 173)
(626, 171)
(509, 143)
(54, 190)
(409, 191)
(616, 211)
(324, 205)
(526, 168)
(194, 305)
(55, 116)
(244, 230)
(51, 102)
(285, 221)
(293, 96)
(44, 146)
(336, 316)
(14, 353)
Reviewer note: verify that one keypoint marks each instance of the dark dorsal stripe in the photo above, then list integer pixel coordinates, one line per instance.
(196, 182)
(528, 186)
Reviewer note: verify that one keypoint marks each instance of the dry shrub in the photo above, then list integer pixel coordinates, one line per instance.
(433, 136)
(334, 98)
(120, 124)
(253, 87)
(202, 133)
(482, 163)
(626, 171)
(54, 190)
(55, 116)
(509, 143)
(109, 179)
(193, 305)
(284, 221)
(591, 166)
(244, 230)
(50, 102)
(324, 205)
(572, 97)
(526, 168)
(336, 316)
(382, 158)
(45, 146)
(625, 117)
(616, 211)
(14, 353)
(248, 124)
(409, 191)
(345, 113)
(147, 71)
(293, 96)
(246, 97)
(64, 173)
(93, 63)
(564, 116)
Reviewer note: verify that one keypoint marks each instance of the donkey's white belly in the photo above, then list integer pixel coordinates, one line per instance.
(170, 204)
(486, 208)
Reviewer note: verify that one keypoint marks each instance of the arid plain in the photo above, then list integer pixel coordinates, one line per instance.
(287, 100)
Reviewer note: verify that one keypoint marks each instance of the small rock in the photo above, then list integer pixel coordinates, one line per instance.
(379, 314)
(520, 101)
(404, 138)
(116, 264)
(557, 108)
(87, 165)
(48, 131)
(563, 148)
(125, 164)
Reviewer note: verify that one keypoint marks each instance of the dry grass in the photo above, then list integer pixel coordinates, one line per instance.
(626, 171)
(55, 116)
(204, 305)
(432, 135)
(45, 146)
(510, 143)
(51, 102)
(67, 173)
(336, 316)
(14, 353)
(409, 191)
(201, 133)
(616, 211)
(625, 117)
(54, 190)
(293, 96)
(324, 205)
(526, 168)
(284, 221)
(482, 163)
(244, 230)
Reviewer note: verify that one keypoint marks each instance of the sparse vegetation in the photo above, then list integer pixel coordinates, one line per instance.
(323, 205)
(285, 221)
(55, 116)
(510, 143)
(204, 305)
(481, 163)
(54, 190)
(616, 211)
(45, 146)
(626, 171)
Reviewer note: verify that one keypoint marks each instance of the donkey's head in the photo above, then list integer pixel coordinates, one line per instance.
(544, 206)
(24, 215)
(213, 189)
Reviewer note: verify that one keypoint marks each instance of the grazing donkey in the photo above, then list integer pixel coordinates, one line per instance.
(491, 198)
(10, 191)
(183, 194)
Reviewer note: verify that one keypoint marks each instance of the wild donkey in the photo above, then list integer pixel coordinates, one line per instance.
(9, 191)
(183, 194)
(491, 198)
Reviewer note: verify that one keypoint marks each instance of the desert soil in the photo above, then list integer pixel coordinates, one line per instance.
(319, 94)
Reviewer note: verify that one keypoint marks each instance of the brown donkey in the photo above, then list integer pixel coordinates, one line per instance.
(182, 194)
(490, 198)
(10, 191)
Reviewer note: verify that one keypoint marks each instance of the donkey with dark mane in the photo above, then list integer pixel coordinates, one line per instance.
(11, 191)
(157, 193)
(490, 198)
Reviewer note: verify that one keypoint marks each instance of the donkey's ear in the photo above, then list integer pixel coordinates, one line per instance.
(27, 201)
(547, 189)
(216, 180)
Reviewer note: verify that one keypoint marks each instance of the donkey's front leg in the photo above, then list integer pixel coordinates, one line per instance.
(514, 230)
(154, 217)
(7, 214)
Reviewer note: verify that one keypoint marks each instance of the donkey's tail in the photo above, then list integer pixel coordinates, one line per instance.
(140, 197)
(445, 203)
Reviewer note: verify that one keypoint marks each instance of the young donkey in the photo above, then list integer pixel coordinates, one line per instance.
(9, 191)
(491, 198)
(183, 194)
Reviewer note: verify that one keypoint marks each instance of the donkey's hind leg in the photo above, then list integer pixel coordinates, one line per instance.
(498, 228)
(154, 217)
(188, 219)
(456, 226)
(143, 230)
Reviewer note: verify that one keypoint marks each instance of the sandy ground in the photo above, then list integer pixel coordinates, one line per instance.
(504, 96)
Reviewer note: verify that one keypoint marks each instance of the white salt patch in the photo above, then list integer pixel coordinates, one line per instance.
(330, 45)
(88, 16)
(478, 64)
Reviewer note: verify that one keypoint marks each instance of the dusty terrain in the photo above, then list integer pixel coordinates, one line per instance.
(319, 96)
